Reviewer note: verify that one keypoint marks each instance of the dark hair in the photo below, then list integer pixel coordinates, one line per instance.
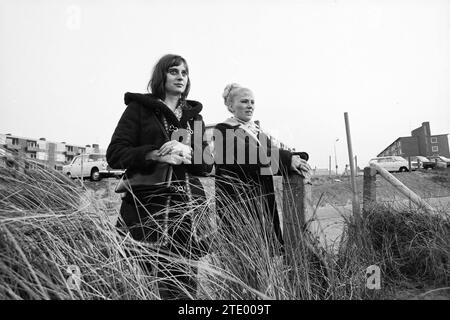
(157, 82)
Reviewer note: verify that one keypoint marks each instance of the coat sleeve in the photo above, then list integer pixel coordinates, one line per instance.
(285, 157)
(282, 157)
(123, 151)
(202, 160)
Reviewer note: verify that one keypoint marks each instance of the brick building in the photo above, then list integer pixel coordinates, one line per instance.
(48, 153)
(420, 143)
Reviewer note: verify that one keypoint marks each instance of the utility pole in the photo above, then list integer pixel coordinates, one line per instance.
(335, 156)
(329, 166)
(82, 182)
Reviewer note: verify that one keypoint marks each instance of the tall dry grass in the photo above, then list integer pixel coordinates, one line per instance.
(48, 223)
(410, 244)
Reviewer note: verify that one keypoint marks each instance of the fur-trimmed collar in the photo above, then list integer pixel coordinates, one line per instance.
(148, 100)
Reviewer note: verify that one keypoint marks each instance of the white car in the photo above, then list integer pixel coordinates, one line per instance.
(92, 165)
(391, 163)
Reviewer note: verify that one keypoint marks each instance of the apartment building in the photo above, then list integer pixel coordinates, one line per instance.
(48, 153)
(420, 143)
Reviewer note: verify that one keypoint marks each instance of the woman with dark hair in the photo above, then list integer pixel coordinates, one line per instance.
(158, 133)
(246, 160)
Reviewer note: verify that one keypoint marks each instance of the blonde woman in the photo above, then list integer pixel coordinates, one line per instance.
(245, 166)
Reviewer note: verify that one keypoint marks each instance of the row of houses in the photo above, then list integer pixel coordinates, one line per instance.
(48, 153)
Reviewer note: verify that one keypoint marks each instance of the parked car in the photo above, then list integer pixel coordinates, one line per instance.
(92, 165)
(441, 161)
(391, 163)
(423, 162)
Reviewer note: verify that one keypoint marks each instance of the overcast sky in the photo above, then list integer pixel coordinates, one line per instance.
(65, 66)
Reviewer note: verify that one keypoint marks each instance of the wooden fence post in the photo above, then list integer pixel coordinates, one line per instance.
(355, 199)
(297, 209)
(369, 189)
(296, 203)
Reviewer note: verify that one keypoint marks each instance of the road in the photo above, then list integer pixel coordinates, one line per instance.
(329, 220)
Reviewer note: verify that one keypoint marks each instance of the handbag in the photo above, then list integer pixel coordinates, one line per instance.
(158, 179)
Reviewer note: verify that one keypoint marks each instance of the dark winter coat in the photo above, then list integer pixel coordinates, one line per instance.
(139, 131)
(243, 180)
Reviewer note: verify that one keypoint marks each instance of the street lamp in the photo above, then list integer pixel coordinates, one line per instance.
(335, 157)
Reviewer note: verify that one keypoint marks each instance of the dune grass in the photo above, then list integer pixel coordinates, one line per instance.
(48, 224)
(410, 245)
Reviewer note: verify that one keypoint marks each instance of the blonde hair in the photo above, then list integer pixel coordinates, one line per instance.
(227, 93)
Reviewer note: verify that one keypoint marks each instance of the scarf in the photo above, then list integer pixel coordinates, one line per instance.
(250, 127)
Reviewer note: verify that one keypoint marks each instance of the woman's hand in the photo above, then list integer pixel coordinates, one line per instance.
(172, 158)
(175, 147)
(301, 167)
